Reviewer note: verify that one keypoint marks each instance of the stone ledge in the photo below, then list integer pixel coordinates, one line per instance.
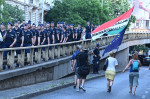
(29, 69)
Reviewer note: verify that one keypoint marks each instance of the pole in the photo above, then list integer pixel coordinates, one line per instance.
(42, 11)
(102, 3)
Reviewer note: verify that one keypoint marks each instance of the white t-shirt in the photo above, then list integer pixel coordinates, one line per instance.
(112, 62)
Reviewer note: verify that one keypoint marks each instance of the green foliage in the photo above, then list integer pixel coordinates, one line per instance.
(10, 14)
(78, 12)
(141, 47)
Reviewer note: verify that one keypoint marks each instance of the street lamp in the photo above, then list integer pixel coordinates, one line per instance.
(42, 11)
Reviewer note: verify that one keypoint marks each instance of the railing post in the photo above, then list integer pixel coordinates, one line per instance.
(58, 51)
(31, 56)
(1, 60)
(21, 58)
(46, 53)
(64, 50)
(39, 55)
(10, 59)
(52, 52)
(55, 51)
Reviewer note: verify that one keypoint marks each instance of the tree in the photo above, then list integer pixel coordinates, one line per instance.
(78, 12)
(11, 13)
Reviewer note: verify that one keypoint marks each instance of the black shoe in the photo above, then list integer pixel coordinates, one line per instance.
(74, 86)
(82, 89)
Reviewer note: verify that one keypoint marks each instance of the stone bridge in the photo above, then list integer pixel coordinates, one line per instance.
(54, 62)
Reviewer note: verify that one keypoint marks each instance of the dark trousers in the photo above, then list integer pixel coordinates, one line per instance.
(95, 64)
(6, 45)
(87, 35)
(27, 45)
(18, 45)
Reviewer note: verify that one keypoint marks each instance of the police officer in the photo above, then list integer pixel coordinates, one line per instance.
(52, 35)
(59, 33)
(37, 43)
(96, 58)
(20, 36)
(79, 33)
(43, 35)
(3, 34)
(69, 35)
(64, 33)
(88, 31)
(28, 41)
(92, 27)
(72, 31)
(10, 39)
(34, 32)
(48, 32)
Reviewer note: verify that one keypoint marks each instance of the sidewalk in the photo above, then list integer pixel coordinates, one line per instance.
(26, 92)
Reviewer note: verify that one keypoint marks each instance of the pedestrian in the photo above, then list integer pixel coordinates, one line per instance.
(74, 69)
(82, 68)
(23, 23)
(134, 72)
(96, 58)
(111, 71)
(79, 33)
(52, 35)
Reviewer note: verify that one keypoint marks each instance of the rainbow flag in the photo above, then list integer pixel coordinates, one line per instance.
(114, 26)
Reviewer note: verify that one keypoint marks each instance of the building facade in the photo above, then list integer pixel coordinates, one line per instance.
(34, 9)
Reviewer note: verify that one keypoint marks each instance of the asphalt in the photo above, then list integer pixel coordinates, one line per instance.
(96, 89)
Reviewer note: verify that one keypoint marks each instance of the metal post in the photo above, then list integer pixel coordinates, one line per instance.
(102, 3)
(42, 11)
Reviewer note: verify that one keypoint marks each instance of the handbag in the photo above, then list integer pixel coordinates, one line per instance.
(105, 65)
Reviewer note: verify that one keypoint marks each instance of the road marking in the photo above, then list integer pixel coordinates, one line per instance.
(146, 92)
(144, 96)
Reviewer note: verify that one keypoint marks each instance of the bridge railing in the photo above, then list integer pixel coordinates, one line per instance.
(45, 53)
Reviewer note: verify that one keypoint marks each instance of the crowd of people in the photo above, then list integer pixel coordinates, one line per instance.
(81, 68)
(34, 35)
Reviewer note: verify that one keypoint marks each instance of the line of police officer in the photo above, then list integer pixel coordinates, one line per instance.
(30, 35)
(27, 35)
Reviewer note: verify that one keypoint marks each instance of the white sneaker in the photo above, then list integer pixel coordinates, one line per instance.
(77, 89)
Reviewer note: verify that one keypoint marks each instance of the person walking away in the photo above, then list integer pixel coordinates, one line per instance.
(82, 69)
(74, 68)
(96, 59)
(111, 71)
(134, 72)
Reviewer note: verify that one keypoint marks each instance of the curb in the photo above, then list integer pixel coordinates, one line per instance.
(30, 95)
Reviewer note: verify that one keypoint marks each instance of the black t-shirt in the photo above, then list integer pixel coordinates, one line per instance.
(96, 51)
(82, 59)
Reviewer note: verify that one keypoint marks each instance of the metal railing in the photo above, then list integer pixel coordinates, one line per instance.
(50, 52)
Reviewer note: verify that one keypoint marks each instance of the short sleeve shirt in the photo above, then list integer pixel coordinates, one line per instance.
(11, 36)
(112, 62)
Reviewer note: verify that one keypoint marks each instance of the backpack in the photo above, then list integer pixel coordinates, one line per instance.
(83, 69)
(135, 65)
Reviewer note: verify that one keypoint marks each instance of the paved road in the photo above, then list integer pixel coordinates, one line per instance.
(96, 89)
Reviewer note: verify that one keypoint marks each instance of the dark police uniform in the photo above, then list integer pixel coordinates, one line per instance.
(88, 32)
(69, 35)
(59, 32)
(53, 32)
(96, 60)
(42, 35)
(73, 31)
(19, 34)
(79, 33)
(28, 40)
(2, 42)
(10, 37)
(48, 32)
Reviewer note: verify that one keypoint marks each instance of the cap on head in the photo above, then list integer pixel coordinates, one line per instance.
(33, 24)
(52, 21)
(58, 22)
(29, 22)
(47, 23)
(16, 21)
(9, 23)
(26, 24)
(97, 45)
(39, 25)
(2, 24)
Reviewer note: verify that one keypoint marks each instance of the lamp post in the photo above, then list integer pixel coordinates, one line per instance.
(42, 11)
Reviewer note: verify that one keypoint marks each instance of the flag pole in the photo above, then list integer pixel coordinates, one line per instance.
(117, 51)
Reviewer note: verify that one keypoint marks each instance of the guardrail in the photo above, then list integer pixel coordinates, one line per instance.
(55, 51)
